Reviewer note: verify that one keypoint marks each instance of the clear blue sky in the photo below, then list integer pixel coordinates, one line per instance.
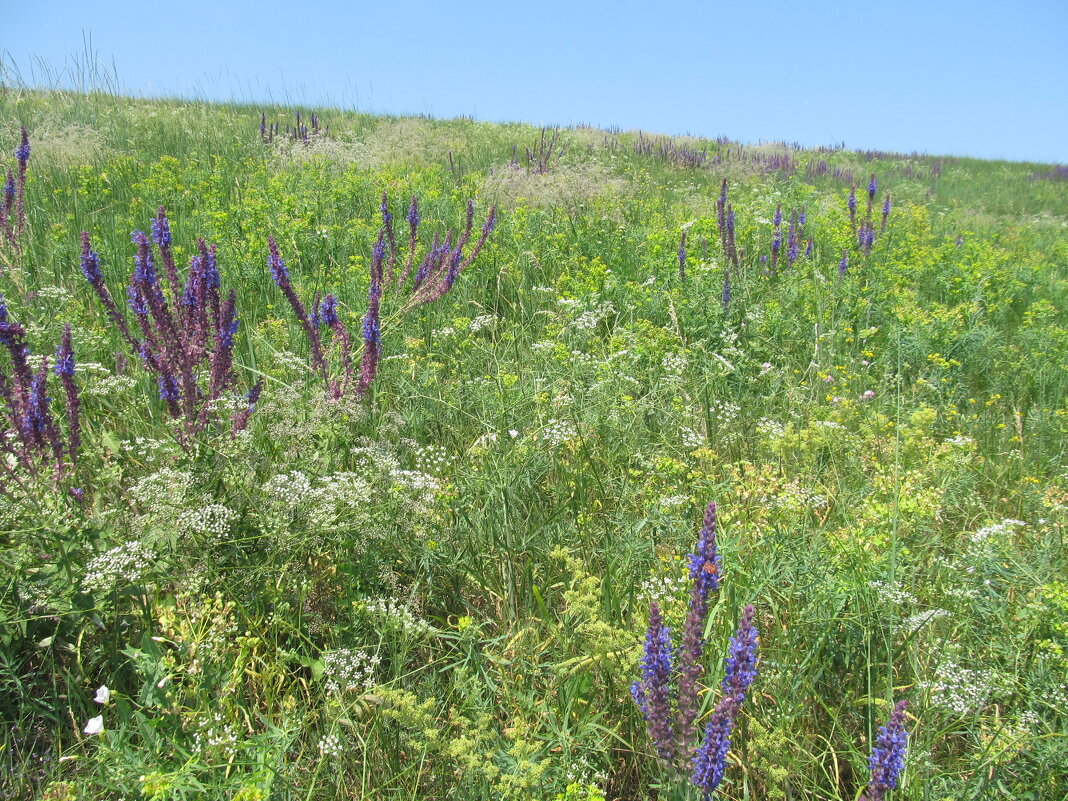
(939, 76)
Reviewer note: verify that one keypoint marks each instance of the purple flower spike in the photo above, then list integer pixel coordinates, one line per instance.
(274, 261)
(682, 256)
(852, 201)
(873, 187)
(652, 692)
(161, 229)
(22, 152)
(705, 561)
(887, 758)
(742, 657)
(328, 310)
(843, 265)
(144, 269)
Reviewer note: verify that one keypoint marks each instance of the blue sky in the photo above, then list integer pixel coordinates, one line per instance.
(963, 78)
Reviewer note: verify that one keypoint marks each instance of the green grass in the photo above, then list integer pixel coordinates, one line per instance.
(570, 407)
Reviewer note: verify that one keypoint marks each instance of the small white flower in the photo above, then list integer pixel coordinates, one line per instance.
(95, 725)
(103, 694)
(513, 433)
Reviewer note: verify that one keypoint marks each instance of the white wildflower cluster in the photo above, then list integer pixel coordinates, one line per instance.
(290, 361)
(416, 480)
(914, 623)
(164, 487)
(329, 745)
(772, 429)
(344, 489)
(795, 498)
(831, 424)
(995, 531)
(433, 459)
(892, 593)
(444, 332)
(145, 448)
(557, 432)
(214, 733)
(56, 294)
(724, 412)
(669, 501)
(123, 564)
(959, 690)
(585, 361)
(691, 438)
(110, 385)
(1058, 698)
(349, 669)
(664, 589)
(383, 461)
(230, 404)
(675, 364)
(591, 318)
(213, 520)
(486, 322)
(397, 616)
(288, 489)
(543, 346)
(960, 441)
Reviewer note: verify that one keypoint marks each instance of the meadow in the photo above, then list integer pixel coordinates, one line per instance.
(403, 542)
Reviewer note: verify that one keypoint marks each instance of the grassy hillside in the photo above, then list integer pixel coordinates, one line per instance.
(432, 579)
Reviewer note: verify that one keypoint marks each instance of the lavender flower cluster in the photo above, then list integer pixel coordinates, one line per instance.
(13, 196)
(667, 691)
(28, 431)
(185, 329)
(423, 281)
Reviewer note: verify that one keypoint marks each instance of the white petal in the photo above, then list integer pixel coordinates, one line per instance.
(95, 725)
(103, 694)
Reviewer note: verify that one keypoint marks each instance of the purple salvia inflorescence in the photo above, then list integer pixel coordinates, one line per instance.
(22, 155)
(843, 265)
(710, 760)
(328, 310)
(64, 370)
(793, 249)
(873, 187)
(704, 572)
(653, 692)
(778, 216)
(887, 759)
(682, 256)
(372, 335)
(281, 277)
(808, 247)
(886, 209)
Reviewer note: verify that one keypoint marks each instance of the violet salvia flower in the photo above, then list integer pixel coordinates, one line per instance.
(887, 758)
(710, 761)
(778, 216)
(64, 369)
(873, 187)
(802, 217)
(372, 335)
(239, 422)
(487, 229)
(808, 247)
(653, 692)
(144, 269)
(281, 277)
(843, 265)
(705, 561)
(886, 209)
(161, 235)
(22, 154)
(168, 387)
(328, 310)
(387, 224)
(852, 203)
(278, 269)
(682, 256)
(793, 249)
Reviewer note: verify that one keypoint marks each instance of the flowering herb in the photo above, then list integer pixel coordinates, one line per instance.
(887, 759)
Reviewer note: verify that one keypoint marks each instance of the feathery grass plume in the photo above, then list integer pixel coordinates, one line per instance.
(887, 759)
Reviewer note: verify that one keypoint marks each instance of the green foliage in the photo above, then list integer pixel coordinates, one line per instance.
(440, 591)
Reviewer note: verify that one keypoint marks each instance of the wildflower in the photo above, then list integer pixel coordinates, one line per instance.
(843, 265)
(887, 758)
(682, 256)
(652, 693)
(103, 694)
(95, 725)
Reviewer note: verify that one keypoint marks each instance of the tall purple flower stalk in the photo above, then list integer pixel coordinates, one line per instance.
(886, 211)
(682, 256)
(64, 370)
(186, 335)
(372, 332)
(710, 761)
(653, 692)
(852, 203)
(22, 156)
(887, 758)
(843, 265)
(704, 565)
(13, 195)
(280, 274)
